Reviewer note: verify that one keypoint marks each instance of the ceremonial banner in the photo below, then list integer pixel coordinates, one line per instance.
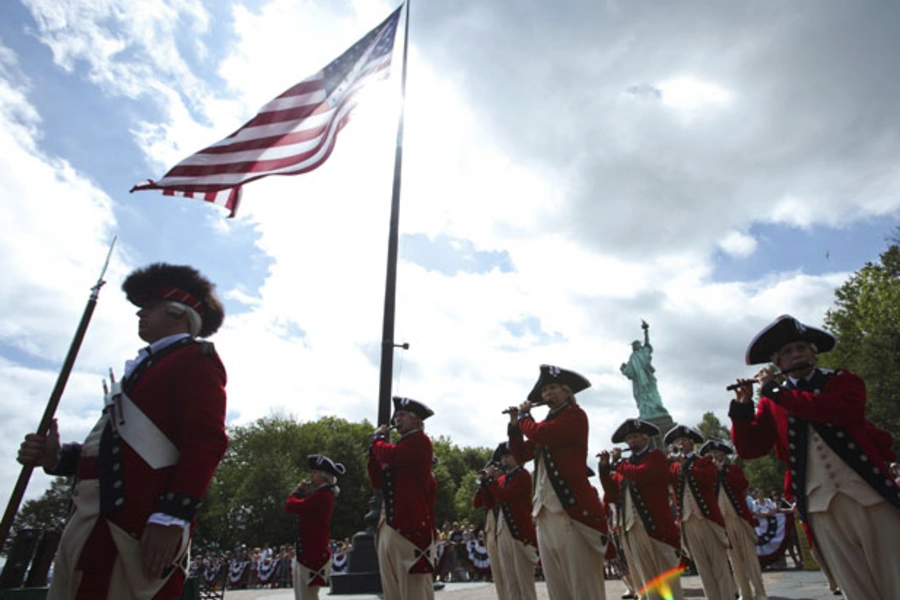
(773, 535)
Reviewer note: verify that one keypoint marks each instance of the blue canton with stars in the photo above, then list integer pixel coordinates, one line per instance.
(349, 66)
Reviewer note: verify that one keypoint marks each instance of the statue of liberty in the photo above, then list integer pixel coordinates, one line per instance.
(643, 381)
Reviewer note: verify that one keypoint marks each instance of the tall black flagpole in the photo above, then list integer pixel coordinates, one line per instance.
(18, 493)
(390, 286)
(362, 571)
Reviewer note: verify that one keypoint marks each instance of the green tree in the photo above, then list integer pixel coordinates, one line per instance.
(265, 460)
(764, 472)
(454, 472)
(48, 512)
(712, 429)
(866, 321)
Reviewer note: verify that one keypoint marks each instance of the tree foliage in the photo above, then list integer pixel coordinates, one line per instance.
(48, 512)
(711, 428)
(266, 459)
(866, 321)
(264, 463)
(765, 472)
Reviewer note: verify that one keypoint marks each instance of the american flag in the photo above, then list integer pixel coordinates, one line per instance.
(292, 134)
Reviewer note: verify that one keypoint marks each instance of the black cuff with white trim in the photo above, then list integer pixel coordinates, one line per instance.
(179, 505)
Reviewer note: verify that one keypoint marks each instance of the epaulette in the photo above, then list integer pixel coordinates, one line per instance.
(207, 348)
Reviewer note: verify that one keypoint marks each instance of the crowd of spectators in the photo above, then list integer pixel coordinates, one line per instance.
(461, 554)
(266, 567)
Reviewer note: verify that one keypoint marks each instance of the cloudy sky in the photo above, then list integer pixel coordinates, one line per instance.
(705, 166)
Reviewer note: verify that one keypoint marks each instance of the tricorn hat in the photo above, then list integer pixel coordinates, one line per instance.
(413, 406)
(784, 330)
(711, 445)
(177, 283)
(680, 431)
(500, 452)
(551, 374)
(320, 462)
(634, 426)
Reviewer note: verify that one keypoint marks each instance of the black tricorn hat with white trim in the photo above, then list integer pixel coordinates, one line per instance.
(711, 445)
(320, 462)
(680, 431)
(501, 451)
(634, 426)
(413, 406)
(552, 374)
(782, 331)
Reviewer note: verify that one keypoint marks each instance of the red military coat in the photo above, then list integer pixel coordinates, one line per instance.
(647, 478)
(182, 390)
(696, 475)
(512, 492)
(483, 498)
(836, 408)
(562, 440)
(402, 471)
(732, 480)
(313, 528)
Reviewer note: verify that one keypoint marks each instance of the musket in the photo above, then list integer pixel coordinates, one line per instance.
(12, 507)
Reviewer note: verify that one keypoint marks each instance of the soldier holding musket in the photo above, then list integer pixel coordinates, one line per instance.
(570, 520)
(640, 486)
(142, 472)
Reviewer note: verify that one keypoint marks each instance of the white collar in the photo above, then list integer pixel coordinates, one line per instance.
(143, 353)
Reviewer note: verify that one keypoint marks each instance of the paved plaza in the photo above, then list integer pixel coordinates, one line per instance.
(780, 585)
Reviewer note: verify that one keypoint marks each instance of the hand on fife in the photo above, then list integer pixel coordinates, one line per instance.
(604, 457)
(525, 407)
(764, 376)
(38, 450)
(158, 547)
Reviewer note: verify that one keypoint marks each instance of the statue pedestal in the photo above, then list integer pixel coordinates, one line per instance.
(665, 423)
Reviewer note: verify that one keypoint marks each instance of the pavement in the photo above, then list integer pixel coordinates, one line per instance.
(780, 585)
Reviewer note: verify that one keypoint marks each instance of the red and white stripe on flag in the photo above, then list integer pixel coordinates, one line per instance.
(292, 134)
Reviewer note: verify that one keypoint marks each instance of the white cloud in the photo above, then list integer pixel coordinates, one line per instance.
(737, 243)
(608, 206)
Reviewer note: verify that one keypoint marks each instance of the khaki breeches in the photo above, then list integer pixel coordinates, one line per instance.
(517, 562)
(648, 558)
(707, 543)
(493, 552)
(859, 546)
(126, 579)
(300, 574)
(571, 557)
(396, 555)
(744, 561)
